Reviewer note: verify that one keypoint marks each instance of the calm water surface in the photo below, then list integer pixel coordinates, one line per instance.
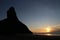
(49, 34)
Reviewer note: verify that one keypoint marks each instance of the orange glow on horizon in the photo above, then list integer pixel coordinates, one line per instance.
(47, 30)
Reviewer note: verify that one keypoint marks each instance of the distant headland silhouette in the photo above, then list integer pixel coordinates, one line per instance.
(11, 24)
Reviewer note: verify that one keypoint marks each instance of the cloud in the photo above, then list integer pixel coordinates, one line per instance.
(57, 30)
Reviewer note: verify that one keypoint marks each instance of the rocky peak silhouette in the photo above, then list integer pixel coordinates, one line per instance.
(11, 24)
(11, 14)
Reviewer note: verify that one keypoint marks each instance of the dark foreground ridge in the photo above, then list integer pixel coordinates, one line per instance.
(12, 25)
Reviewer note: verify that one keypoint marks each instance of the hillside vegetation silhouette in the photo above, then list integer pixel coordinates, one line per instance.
(12, 24)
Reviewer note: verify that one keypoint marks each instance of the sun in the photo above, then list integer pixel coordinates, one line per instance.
(48, 29)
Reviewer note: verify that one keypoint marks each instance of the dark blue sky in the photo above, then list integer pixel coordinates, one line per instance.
(34, 13)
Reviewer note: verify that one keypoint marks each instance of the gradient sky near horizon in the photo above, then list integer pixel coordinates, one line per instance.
(34, 13)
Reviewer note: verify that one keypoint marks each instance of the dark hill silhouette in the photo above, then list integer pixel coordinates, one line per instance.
(11, 24)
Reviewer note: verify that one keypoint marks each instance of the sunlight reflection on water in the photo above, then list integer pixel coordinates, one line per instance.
(52, 34)
(49, 34)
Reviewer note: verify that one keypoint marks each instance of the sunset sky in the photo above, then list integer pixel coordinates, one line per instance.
(36, 14)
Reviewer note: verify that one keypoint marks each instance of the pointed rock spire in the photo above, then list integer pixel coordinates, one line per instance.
(12, 24)
(11, 14)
